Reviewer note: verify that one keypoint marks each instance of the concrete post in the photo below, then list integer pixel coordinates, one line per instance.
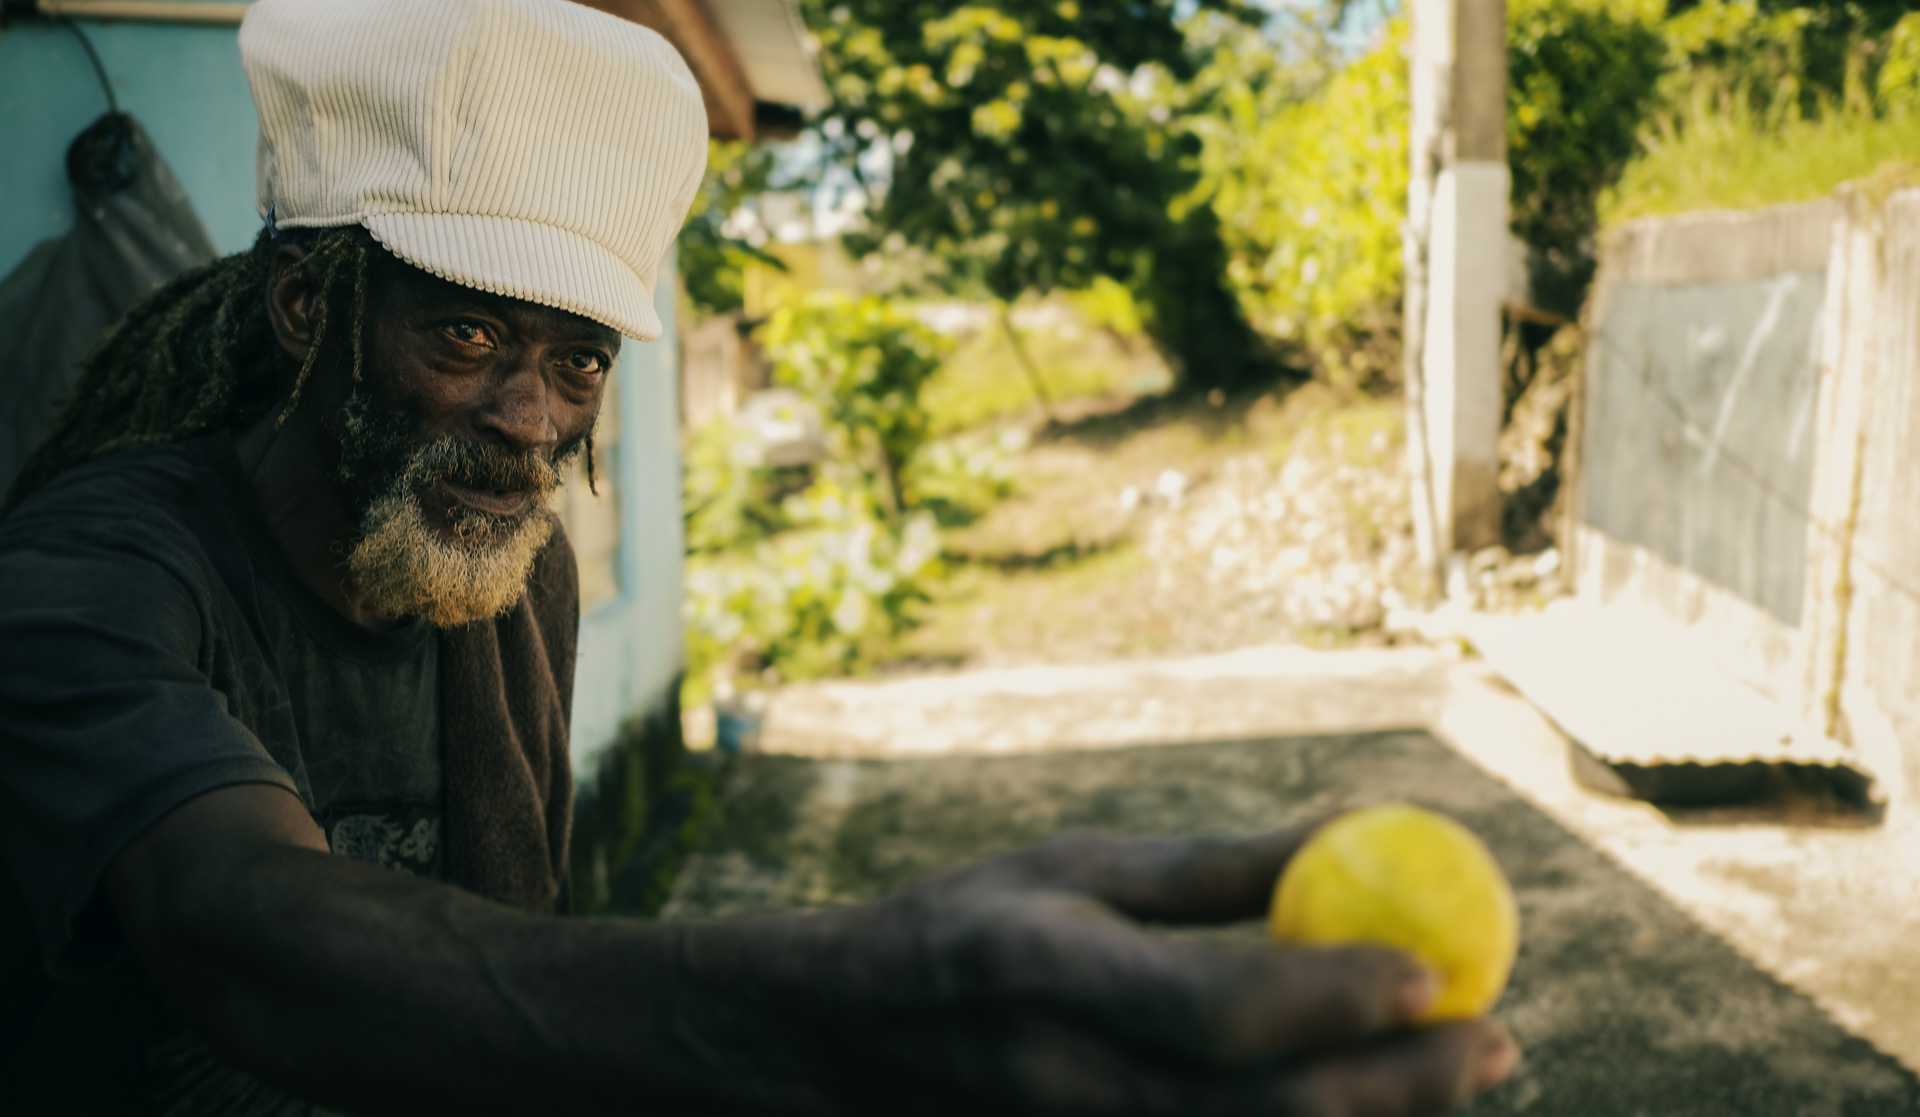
(1459, 61)
(1427, 71)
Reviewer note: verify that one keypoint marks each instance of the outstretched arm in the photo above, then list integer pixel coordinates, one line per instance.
(1019, 985)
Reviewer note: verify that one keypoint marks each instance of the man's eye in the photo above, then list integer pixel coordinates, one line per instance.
(587, 361)
(470, 332)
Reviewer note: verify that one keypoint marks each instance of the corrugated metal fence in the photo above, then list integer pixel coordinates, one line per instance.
(1749, 471)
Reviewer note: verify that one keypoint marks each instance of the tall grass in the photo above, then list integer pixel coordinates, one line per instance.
(1724, 145)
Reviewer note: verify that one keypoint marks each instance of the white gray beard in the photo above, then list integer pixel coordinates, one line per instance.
(407, 568)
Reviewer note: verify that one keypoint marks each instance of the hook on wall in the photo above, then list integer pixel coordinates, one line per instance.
(93, 56)
(101, 160)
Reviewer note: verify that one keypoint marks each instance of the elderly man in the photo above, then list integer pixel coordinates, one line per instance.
(286, 612)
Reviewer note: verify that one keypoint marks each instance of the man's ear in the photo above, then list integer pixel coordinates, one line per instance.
(290, 301)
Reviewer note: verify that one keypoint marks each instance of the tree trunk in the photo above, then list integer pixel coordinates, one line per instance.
(1026, 362)
(1193, 317)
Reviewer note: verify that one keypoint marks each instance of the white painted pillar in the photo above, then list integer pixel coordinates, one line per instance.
(1459, 129)
(652, 544)
(1467, 270)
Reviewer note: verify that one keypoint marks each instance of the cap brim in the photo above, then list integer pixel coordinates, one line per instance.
(523, 260)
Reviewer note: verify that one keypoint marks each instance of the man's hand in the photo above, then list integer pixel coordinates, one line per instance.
(1027, 985)
(1022, 985)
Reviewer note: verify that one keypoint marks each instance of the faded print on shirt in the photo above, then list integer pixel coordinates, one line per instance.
(402, 836)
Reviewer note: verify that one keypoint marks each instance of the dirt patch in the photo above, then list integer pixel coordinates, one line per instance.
(1186, 525)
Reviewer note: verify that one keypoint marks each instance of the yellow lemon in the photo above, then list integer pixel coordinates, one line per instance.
(1404, 877)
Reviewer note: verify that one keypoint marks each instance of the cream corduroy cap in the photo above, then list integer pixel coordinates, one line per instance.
(532, 148)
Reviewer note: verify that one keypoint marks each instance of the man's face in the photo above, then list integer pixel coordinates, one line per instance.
(469, 409)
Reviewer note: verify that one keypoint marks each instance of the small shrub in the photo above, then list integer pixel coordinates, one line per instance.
(958, 483)
(863, 361)
(815, 570)
(826, 597)
(727, 499)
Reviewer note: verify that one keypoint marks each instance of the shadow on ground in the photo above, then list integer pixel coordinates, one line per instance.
(1624, 1006)
(1099, 424)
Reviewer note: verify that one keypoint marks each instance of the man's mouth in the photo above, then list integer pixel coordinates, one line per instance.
(497, 502)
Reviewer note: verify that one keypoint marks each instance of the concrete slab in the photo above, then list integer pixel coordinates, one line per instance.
(1254, 692)
(1721, 951)
(1624, 1005)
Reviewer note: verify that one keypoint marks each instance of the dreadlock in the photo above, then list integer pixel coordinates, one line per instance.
(198, 354)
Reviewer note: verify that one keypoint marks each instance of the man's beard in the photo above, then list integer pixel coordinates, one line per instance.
(401, 562)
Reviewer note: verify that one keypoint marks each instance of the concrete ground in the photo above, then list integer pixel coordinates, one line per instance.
(1703, 964)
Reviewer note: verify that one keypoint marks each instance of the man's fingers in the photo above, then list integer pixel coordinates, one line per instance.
(1196, 880)
(1301, 999)
(1421, 1073)
(1207, 1001)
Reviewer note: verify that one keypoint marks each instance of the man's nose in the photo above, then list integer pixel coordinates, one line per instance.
(519, 411)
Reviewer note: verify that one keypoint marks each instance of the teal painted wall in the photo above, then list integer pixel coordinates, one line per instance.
(182, 83)
(185, 86)
(631, 648)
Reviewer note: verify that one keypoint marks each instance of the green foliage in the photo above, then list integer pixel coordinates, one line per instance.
(816, 570)
(1312, 191)
(1033, 148)
(1580, 77)
(1721, 153)
(1624, 106)
(1898, 86)
(1311, 195)
(824, 597)
(1082, 344)
(1107, 305)
(1019, 159)
(1756, 54)
(1831, 36)
(863, 362)
(634, 816)
(712, 264)
(1752, 116)
(959, 483)
(1870, 17)
(1308, 180)
(729, 500)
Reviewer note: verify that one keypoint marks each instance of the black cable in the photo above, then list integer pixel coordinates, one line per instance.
(102, 159)
(113, 103)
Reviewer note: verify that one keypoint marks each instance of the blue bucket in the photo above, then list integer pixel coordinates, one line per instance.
(733, 730)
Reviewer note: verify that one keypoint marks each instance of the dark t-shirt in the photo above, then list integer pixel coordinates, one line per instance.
(156, 644)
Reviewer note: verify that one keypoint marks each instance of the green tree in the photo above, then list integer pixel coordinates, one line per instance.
(1312, 192)
(1581, 78)
(1033, 146)
(1310, 179)
(712, 264)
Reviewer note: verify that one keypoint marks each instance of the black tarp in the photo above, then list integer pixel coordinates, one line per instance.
(133, 230)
